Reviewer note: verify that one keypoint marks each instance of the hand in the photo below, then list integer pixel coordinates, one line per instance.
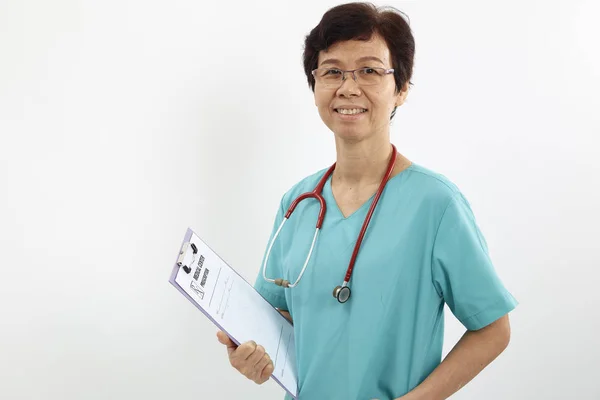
(249, 359)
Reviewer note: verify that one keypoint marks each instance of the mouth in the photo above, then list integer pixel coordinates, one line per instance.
(350, 111)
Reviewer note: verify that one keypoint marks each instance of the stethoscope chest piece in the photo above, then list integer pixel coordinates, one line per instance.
(341, 293)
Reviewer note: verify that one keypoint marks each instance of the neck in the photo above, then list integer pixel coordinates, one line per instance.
(362, 163)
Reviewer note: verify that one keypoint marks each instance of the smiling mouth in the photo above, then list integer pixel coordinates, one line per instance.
(350, 111)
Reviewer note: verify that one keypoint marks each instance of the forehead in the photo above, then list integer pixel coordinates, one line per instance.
(349, 52)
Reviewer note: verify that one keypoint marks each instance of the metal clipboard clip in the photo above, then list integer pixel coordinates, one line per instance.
(183, 253)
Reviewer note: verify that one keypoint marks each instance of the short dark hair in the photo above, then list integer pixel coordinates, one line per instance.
(360, 21)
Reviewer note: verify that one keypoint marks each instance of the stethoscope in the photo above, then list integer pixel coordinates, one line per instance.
(341, 293)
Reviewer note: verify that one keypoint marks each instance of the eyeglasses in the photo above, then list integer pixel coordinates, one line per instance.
(333, 77)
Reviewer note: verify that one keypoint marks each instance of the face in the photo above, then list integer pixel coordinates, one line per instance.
(378, 101)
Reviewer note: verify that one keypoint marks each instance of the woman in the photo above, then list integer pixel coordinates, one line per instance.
(422, 248)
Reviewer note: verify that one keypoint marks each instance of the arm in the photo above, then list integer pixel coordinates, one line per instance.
(473, 352)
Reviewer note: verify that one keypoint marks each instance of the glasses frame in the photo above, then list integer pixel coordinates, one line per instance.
(386, 71)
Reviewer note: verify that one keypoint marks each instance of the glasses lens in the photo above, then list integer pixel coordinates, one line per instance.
(329, 76)
(369, 76)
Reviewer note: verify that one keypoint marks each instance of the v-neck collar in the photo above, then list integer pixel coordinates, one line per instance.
(333, 207)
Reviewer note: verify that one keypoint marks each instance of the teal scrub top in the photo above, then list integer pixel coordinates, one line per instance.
(423, 249)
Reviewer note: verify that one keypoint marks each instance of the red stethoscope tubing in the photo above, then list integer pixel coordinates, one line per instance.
(317, 194)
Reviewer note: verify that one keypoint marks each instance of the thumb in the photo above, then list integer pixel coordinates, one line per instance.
(224, 339)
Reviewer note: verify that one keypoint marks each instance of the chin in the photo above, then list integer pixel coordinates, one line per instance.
(350, 135)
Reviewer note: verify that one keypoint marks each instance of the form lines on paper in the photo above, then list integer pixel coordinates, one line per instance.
(227, 301)
(223, 295)
(213, 292)
(278, 345)
(287, 349)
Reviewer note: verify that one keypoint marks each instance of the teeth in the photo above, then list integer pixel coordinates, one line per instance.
(351, 111)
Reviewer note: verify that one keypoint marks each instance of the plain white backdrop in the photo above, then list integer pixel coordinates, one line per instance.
(123, 123)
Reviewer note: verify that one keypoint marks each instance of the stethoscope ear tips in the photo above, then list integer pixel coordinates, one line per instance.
(341, 293)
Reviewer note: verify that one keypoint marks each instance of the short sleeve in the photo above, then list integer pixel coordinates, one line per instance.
(462, 271)
(273, 293)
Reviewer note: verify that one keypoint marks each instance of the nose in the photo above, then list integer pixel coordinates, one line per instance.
(349, 87)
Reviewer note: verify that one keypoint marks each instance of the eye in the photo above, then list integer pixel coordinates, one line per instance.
(332, 71)
(370, 71)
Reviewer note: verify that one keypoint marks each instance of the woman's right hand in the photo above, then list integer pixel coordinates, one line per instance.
(249, 359)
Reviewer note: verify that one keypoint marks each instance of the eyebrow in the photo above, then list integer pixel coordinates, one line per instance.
(336, 61)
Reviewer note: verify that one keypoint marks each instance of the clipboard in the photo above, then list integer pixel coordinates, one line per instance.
(235, 307)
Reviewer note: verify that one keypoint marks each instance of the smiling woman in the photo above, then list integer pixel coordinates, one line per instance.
(363, 22)
(401, 236)
(368, 99)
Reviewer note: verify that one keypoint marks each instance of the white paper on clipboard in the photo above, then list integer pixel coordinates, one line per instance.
(234, 306)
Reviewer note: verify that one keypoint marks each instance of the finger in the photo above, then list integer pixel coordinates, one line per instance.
(261, 364)
(248, 366)
(244, 351)
(239, 358)
(267, 372)
(223, 338)
(226, 340)
(256, 356)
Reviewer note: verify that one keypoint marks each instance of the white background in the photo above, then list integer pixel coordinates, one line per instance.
(124, 122)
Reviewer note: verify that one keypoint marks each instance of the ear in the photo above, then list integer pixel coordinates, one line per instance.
(401, 96)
